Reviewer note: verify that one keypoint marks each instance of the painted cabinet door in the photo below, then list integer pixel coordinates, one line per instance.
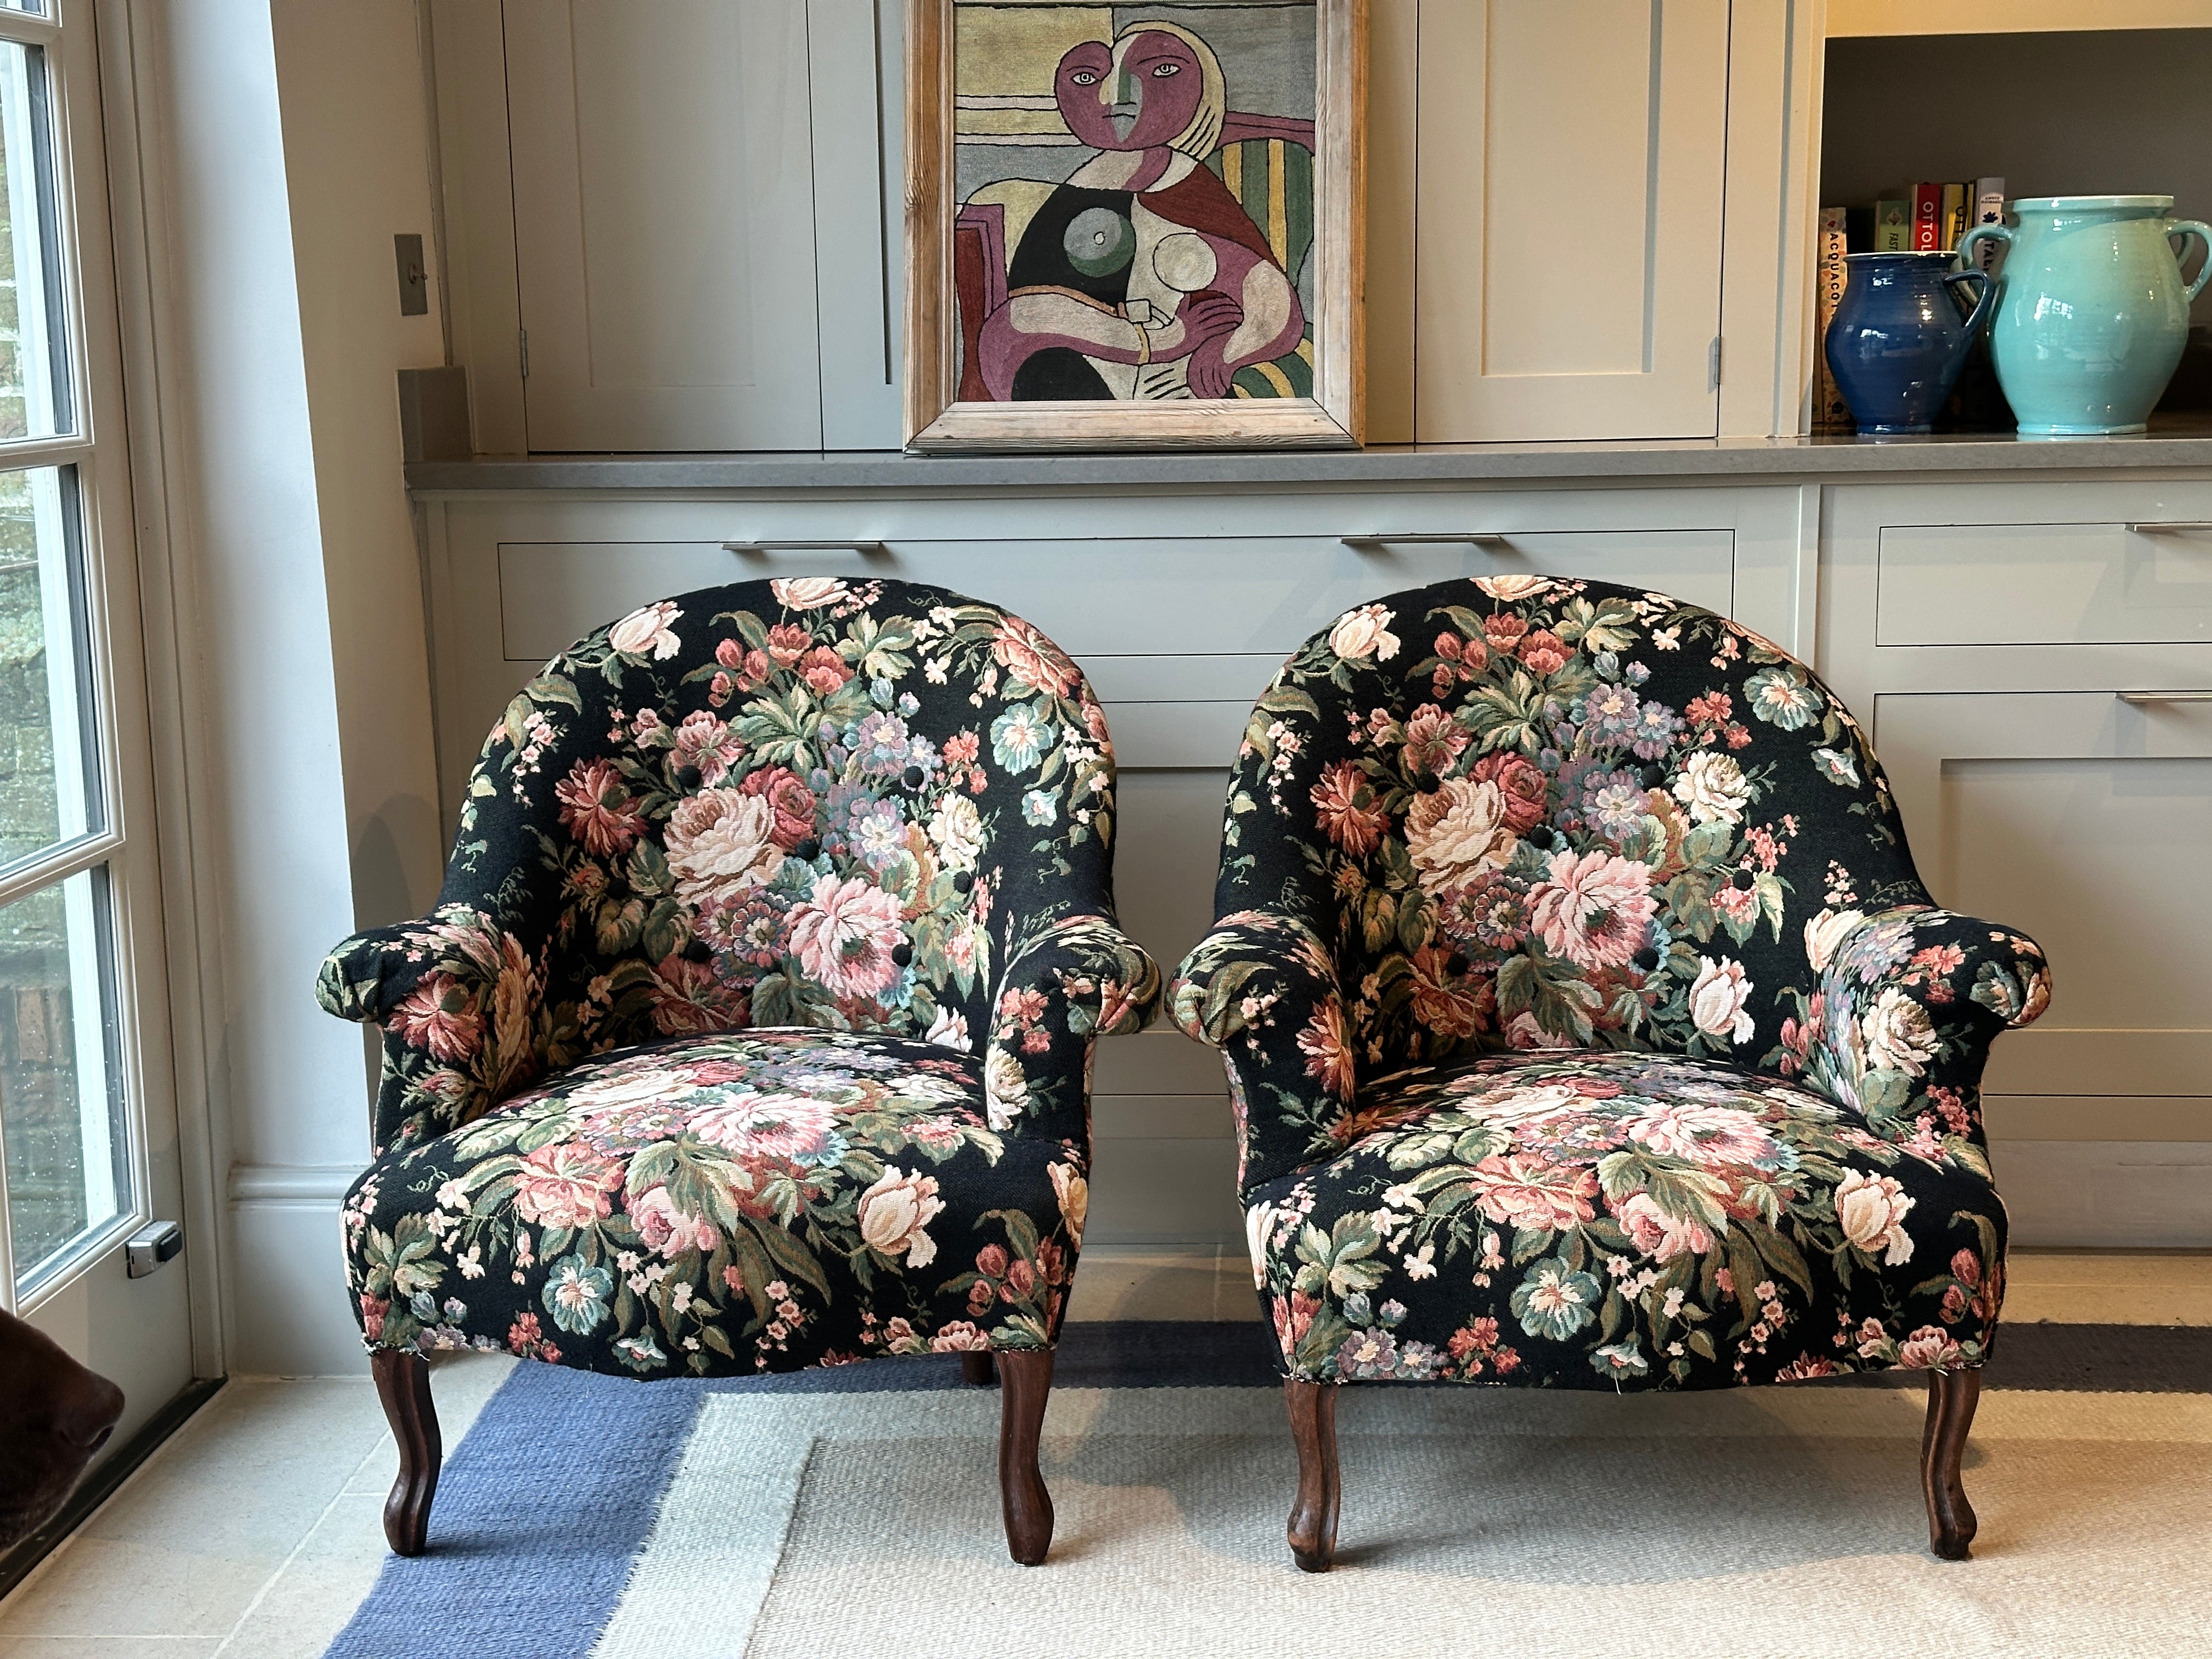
(2081, 818)
(670, 267)
(1571, 166)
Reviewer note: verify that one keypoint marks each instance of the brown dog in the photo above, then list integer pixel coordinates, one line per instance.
(54, 1415)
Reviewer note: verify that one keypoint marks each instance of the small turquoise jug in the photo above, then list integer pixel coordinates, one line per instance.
(1899, 337)
(2091, 310)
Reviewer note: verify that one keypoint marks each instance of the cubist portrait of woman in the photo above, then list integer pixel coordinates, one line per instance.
(1165, 261)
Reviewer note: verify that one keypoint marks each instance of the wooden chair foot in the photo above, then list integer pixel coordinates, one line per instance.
(1026, 1379)
(976, 1369)
(1951, 1402)
(403, 1383)
(1313, 1513)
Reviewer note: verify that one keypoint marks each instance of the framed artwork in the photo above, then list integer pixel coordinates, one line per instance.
(1133, 227)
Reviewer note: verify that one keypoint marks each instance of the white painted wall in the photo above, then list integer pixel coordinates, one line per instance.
(289, 144)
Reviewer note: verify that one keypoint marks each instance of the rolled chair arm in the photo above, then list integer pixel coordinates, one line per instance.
(1075, 980)
(1262, 988)
(1909, 1000)
(459, 997)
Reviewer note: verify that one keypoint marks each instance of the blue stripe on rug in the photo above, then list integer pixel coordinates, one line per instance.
(557, 1485)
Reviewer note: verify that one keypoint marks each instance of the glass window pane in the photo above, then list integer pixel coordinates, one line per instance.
(48, 784)
(60, 1093)
(34, 380)
(36, 7)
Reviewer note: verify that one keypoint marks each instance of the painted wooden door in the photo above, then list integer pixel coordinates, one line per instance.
(1571, 161)
(664, 224)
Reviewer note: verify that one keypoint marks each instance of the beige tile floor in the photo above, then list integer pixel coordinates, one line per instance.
(255, 1531)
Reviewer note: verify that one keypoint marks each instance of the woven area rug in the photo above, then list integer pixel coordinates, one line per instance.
(855, 1513)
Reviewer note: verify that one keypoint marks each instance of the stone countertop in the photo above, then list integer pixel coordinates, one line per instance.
(2178, 442)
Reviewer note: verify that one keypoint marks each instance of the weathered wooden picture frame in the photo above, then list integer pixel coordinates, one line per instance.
(1108, 248)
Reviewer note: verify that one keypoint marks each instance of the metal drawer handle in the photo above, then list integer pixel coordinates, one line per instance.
(2154, 699)
(1469, 538)
(865, 550)
(2171, 527)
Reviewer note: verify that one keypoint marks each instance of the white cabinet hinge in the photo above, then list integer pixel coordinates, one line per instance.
(1713, 365)
(524, 334)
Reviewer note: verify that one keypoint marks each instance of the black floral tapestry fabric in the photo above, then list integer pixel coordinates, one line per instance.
(753, 1027)
(1586, 1023)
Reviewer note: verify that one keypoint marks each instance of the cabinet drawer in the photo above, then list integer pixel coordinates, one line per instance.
(1155, 596)
(2044, 584)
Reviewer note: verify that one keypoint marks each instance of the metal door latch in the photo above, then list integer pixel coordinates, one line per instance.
(152, 1245)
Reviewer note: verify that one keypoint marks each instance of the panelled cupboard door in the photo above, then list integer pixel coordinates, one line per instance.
(1570, 159)
(663, 223)
(2082, 817)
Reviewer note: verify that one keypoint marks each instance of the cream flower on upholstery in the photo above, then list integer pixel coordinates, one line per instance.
(1824, 932)
(1896, 1034)
(720, 844)
(807, 593)
(1364, 633)
(1595, 908)
(1713, 787)
(896, 1212)
(1457, 832)
(645, 631)
(1719, 1000)
(845, 934)
(1871, 1210)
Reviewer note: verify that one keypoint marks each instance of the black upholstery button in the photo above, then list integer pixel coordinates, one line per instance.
(963, 881)
(807, 851)
(914, 777)
(1428, 783)
(698, 951)
(689, 777)
(1647, 958)
(1742, 881)
(902, 953)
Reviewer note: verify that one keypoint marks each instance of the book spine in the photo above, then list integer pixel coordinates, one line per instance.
(1927, 218)
(1958, 201)
(1893, 227)
(1989, 210)
(1829, 411)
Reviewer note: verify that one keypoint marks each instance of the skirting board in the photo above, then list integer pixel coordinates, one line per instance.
(290, 1316)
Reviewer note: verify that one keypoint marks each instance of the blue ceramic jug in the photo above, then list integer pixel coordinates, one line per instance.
(1899, 337)
(2091, 310)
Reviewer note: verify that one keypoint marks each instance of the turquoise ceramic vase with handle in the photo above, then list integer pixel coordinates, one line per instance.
(2091, 310)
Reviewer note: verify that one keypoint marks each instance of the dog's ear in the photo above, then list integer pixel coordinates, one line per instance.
(57, 1414)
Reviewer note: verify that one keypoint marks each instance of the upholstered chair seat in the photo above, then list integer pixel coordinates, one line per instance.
(753, 1029)
(1587, 1024)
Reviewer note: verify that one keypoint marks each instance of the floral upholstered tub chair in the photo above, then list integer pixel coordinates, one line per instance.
(1587, 1027)
(753, 1027)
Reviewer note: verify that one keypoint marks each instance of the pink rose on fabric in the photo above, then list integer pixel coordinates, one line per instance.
(596, 808)
(1033, 659)
(770, 1126)
(1529, 1193)
(1348, 813)
(1522, 786)
(1714, 1137)
(667, 1229)
(441, 1015)
(645, 631)
(566, 1184)
(791, 800)
(1595, 911)
(1930, 1347)
(844, 935)
(959, 1337)
(1433, 739)
(1871, 1210)
(896, 1212)
(706, 741)
(1657, 1234)
(719, 842)
(824, 670)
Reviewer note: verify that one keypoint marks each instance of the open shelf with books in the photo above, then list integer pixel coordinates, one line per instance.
(1924, 135)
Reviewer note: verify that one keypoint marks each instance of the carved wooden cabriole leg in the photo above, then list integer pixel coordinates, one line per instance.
(1951, 1401)
(1313, 1514)
(975, 1368)
(1025, 1378)
(403, 1383)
